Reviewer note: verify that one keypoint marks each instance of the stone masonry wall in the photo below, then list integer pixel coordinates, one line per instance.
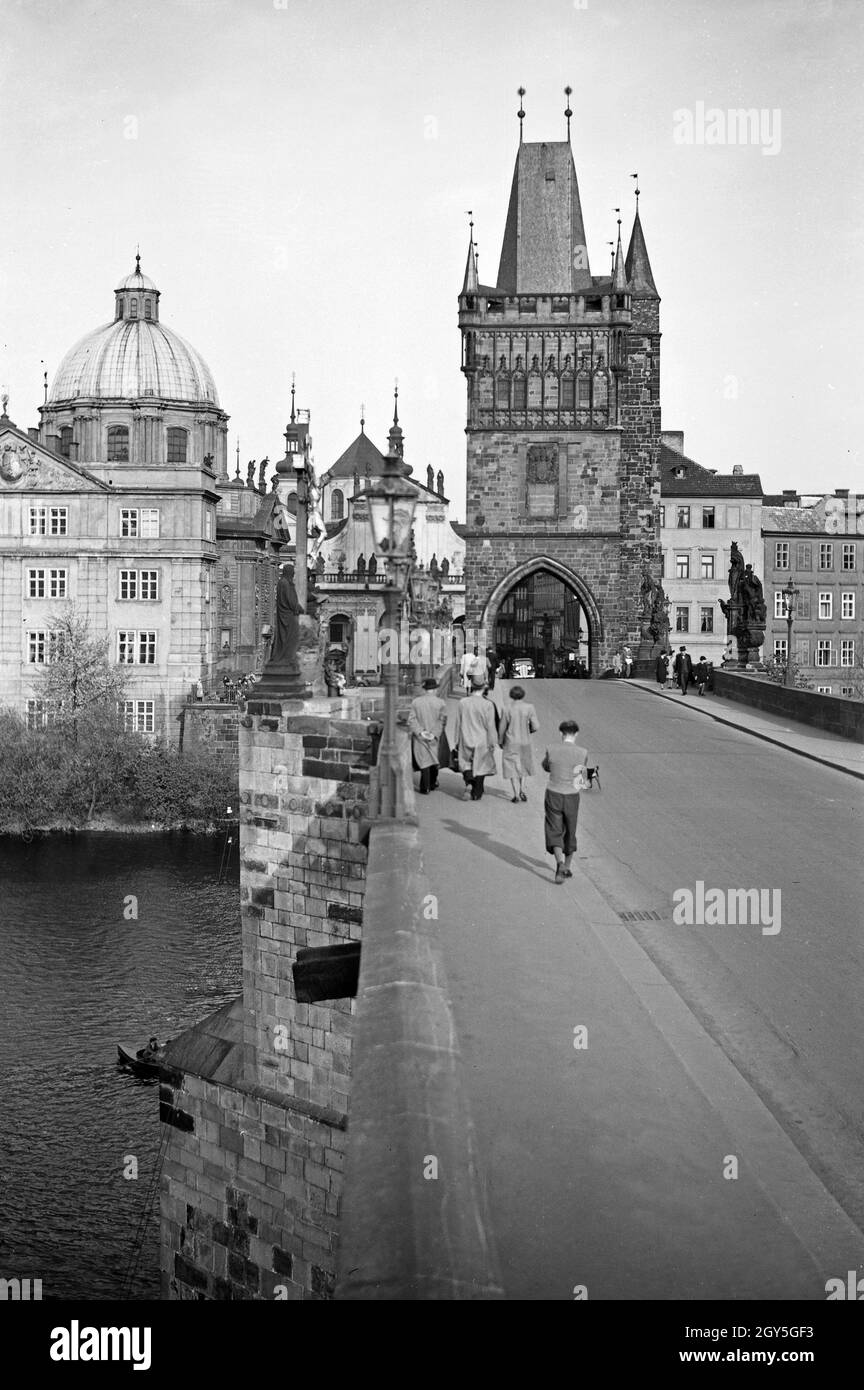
(211, 725)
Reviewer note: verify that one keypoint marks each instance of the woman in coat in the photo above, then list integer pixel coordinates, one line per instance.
(426, 723)
(475, 739)
(518, 723)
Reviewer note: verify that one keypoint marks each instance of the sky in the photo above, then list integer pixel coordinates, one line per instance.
(298, 173)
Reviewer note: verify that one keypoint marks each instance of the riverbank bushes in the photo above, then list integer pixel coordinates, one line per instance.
(51, 781)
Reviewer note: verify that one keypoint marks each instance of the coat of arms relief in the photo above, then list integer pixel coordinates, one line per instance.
(21, 467)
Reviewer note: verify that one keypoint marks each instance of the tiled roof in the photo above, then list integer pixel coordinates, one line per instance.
(797, 520)
(701, 482)
(544, 224)
(360, 453)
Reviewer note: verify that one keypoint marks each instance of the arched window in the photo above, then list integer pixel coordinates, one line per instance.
(66, 441)
(361, 564)
(133, 309)
(340, 628)
(118, 444)
(146, 308)
(177, 446)
(373, 564)
(119, 307)
(337, 504)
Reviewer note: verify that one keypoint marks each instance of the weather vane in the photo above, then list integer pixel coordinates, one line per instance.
(568, 113)
(636, 177)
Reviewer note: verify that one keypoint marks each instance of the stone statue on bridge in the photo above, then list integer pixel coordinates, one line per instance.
(745, 612)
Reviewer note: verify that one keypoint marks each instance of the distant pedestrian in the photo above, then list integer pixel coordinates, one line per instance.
(628, 661)
(616, 663)
(475, 739)
(199, 691)
(426, 723)
(465, 666)
(565, 763)
(518, 723)
(670, 670)
(683, 669)
(491, 668)
(662, 668)
(700, 675)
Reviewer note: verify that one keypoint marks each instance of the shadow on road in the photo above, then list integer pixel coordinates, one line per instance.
(482, 840)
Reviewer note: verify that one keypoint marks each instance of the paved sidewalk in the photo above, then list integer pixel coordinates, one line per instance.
(842, 753)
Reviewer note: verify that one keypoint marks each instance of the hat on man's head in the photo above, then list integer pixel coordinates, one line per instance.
(430, 683)
(477, 682)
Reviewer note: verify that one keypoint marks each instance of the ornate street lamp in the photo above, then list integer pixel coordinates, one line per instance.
(391, 501)
(790, 602)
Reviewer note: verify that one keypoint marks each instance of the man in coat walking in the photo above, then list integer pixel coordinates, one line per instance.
(683, 669)
(426, 723)
(476, 739)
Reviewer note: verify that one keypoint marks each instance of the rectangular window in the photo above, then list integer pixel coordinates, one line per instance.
(824, 689)
(847, 651)
(826, 555)
(708, 518)
(150, 584)
(780, 648)
(129, 521)
(824, 654)
(59, 520)
(37, 648)
(41, 713)
(208, 524)
(57, 583)
(150, 522)
(847, 603)
(136, 648)
(826, 605)
(707, 566)
(146, 648)
(520, 393)
(662, 516)
(805, 603)
(126, 647)
(35, 583)
(779, 604)
(38, 521)
(682, 618)
(849, 555)
(662, 565)
(802, 652)
(128, 584)
(804, 556)
(682, 517)
(583, 392)
(502, 393)
(781, 555)
(682, 566)
(706, 619)
(846, 690)
(568, 393)
(138, 716)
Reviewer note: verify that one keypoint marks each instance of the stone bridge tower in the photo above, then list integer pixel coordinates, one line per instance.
(563, 381)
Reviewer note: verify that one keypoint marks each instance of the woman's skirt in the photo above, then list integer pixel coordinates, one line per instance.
(561, 812)
(517, 760)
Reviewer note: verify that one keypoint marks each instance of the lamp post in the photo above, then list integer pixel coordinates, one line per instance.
(391, 502)
(790, 600)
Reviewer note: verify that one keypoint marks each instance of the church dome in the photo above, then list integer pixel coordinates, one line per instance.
(134, 357)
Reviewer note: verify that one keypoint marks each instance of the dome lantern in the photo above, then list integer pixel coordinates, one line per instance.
(136, 297)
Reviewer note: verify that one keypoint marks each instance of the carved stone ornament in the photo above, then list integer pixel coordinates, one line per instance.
(11, 464)
(542, 464)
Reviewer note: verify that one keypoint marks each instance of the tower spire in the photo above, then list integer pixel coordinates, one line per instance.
(471, 282)
(637, 264)
(567, 112)
(293, 416)
(637, 190)
(395, 438)
(619, 274)
(521, 113)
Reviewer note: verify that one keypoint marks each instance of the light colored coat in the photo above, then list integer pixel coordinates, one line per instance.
(428, 716)
(475, 735)
(518, 723)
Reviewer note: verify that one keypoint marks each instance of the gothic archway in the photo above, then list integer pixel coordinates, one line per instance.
(542, 609)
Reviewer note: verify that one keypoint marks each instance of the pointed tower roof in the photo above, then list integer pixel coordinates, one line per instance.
(638, 266)
(544, 249)
(361, 457)
(619, 274)
(471, 283)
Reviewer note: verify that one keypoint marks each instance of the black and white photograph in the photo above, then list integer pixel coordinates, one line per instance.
(431, 667)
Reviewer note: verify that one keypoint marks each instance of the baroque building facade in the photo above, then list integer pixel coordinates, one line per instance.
(563, 423)
(108, 508)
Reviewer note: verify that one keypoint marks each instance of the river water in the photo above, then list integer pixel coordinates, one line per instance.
(76, 978)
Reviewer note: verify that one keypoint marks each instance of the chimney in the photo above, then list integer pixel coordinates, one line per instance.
(841, 492)
(54, 442)
(33, 433)
(737, 470)
(430, 477)
(440, 483)
(673, 439)
(789, 492)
